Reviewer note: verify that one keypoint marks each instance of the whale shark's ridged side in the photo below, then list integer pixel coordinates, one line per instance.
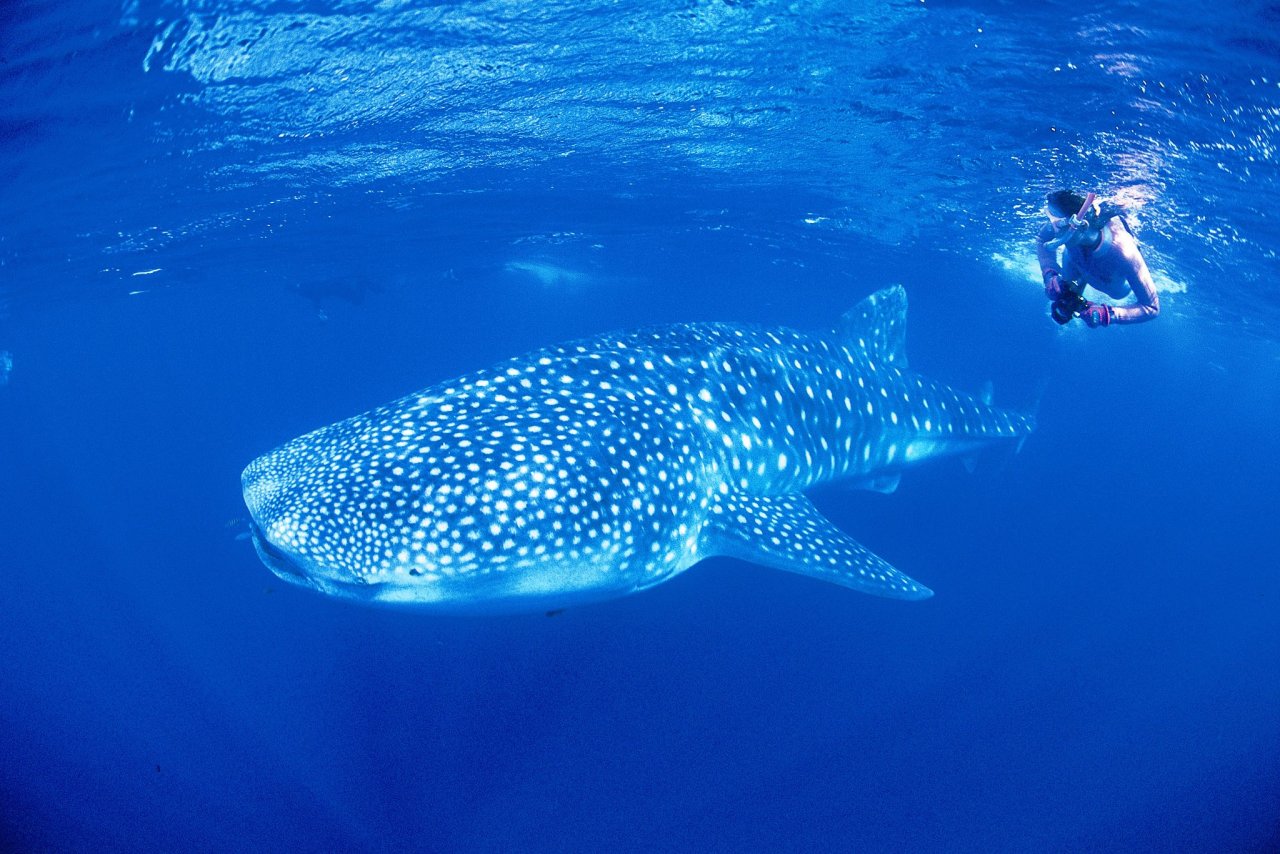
(602, 467)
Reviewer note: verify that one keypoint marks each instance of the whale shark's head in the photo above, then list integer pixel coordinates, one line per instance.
(424, 504)
(297, 500)
(343, 510)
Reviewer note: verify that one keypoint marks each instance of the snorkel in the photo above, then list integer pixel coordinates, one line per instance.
(1077, 226)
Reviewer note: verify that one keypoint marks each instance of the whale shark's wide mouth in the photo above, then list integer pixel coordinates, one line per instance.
(287, 568)
(275, 559)
(418, 593)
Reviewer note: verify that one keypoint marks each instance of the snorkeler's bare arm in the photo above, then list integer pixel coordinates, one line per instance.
(1144, 289)
(1047, 257)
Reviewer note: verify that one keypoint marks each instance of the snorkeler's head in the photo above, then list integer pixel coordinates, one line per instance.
(1063, 203)
(1072, 223)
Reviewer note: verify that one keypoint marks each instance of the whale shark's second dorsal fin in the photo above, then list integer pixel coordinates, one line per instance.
(787, 532)
(878, 325)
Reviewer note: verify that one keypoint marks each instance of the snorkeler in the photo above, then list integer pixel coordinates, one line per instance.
(1099, 251)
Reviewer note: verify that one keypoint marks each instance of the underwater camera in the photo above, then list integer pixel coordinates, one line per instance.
(1069, 303)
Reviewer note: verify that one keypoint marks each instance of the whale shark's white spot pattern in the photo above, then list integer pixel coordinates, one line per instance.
(601, 467)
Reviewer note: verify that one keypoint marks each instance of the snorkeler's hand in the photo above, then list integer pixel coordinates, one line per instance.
(1052, 285)
(1096, 314)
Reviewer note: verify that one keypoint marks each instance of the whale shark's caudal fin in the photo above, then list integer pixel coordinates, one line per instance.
(787, 532)
(878, 325)
(988, 397)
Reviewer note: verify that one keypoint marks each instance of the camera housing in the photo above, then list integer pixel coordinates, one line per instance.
(1069, 303)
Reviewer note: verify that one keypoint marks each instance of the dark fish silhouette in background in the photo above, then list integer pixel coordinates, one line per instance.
(325, 294)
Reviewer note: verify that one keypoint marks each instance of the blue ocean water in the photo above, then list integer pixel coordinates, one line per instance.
(223, 224)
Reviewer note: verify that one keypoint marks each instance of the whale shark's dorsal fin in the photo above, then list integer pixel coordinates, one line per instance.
(787, 532)
(878, 325)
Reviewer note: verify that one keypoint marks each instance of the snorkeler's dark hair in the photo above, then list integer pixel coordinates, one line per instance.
(1064, 202)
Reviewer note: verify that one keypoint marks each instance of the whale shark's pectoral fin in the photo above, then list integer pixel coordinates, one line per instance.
(878, 325)
(787, 532)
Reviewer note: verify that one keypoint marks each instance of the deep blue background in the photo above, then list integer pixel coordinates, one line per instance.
(1100, 667)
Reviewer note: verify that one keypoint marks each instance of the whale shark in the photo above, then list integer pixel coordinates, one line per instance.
(599, 468)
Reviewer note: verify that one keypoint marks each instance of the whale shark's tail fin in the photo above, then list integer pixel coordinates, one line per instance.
(1028, 418)
(987, 394)
(787, 532)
